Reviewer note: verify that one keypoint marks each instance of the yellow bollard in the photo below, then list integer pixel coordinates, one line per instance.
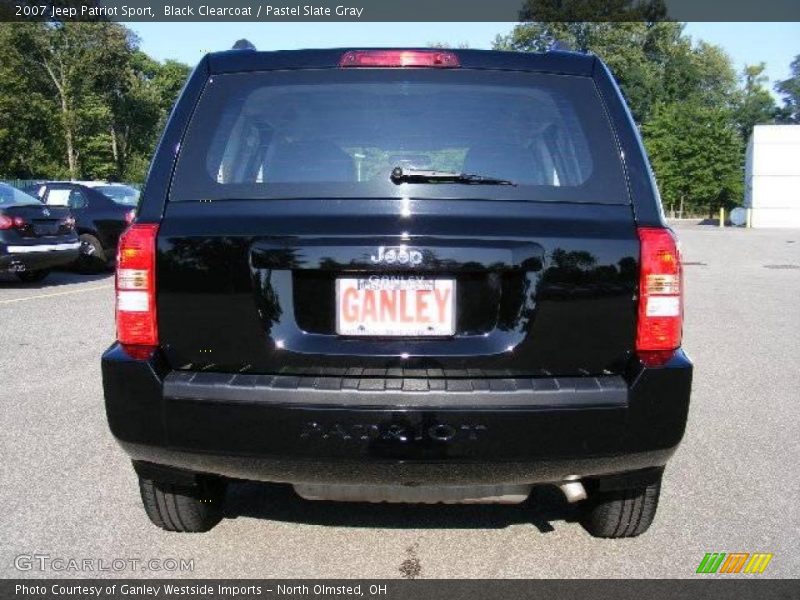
(721, 216)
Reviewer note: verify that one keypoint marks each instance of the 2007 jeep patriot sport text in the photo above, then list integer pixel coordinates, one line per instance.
(400, 275)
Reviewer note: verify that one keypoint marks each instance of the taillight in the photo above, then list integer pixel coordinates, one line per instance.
(12, 222)
(399, 58)
(136, 288)
(660, 296)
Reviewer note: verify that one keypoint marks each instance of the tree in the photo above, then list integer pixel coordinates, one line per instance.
(80, 100)
(697, 155)
(140, 102)
(168, 81)
(151, 95)
(755, 104)
(81, 63)
(621, 45)
(573, 11)
(790, 90)
(29, 137)
(134, 112)
(652, 61)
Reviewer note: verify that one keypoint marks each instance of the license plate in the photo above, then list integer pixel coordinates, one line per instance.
(45, 228)
(395, 305)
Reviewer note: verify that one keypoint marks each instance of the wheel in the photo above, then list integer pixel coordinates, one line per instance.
(621, 513)
(92, 258)
(32, 276)
(183, 508)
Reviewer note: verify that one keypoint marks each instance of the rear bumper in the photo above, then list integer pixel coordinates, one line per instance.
(389, 431)
(33, 257)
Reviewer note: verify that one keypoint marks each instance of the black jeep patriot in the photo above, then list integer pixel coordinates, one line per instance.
(400, 276)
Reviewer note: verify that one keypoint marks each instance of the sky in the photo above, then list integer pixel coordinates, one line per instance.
(775, 44)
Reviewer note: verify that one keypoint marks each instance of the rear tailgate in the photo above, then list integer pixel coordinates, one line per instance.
(282, 188)
(540, 288)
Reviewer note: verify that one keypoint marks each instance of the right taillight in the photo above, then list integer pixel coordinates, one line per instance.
(137, 327)
(660, 295)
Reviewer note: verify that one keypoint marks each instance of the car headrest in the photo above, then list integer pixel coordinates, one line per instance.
(309, 161)
(505, 161)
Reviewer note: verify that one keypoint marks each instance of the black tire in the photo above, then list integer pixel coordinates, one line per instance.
(92, 258)
(181, 508)
(621, 513)
(32, 276)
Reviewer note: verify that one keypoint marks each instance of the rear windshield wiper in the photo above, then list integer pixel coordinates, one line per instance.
(400, 175)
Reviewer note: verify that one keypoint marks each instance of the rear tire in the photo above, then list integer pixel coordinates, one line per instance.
(621, 513)
(32, 276)
(183, 508)
(92, 258)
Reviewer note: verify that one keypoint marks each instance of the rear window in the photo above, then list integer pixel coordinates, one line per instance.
(339, 134)
(11, 196)
(120, 194)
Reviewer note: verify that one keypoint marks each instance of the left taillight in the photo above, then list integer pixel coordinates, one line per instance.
(137, 326)
(660, 322)
(7, 222)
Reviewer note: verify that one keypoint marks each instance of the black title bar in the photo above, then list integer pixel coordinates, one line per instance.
(406, 10)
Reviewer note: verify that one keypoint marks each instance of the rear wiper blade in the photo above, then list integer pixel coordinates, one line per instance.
(400, 175)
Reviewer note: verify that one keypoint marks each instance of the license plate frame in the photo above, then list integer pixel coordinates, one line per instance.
(407, 286)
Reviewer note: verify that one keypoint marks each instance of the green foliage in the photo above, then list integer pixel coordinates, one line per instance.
(80, 100)
(790, 90)
(573, 11)
(697, 155)
(755, 104)
(25, 114)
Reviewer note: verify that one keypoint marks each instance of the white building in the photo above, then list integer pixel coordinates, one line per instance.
(772, 176)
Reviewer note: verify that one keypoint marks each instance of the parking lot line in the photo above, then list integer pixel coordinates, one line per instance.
(24, 298)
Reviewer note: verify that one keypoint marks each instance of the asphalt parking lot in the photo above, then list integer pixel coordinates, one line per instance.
(67, 490)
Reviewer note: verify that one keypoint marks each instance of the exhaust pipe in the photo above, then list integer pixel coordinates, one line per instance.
(573, 489)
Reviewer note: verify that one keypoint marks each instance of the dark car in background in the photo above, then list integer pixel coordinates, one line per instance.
(102, 211)
(403, 276)
(120, 193)
(34, 238)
